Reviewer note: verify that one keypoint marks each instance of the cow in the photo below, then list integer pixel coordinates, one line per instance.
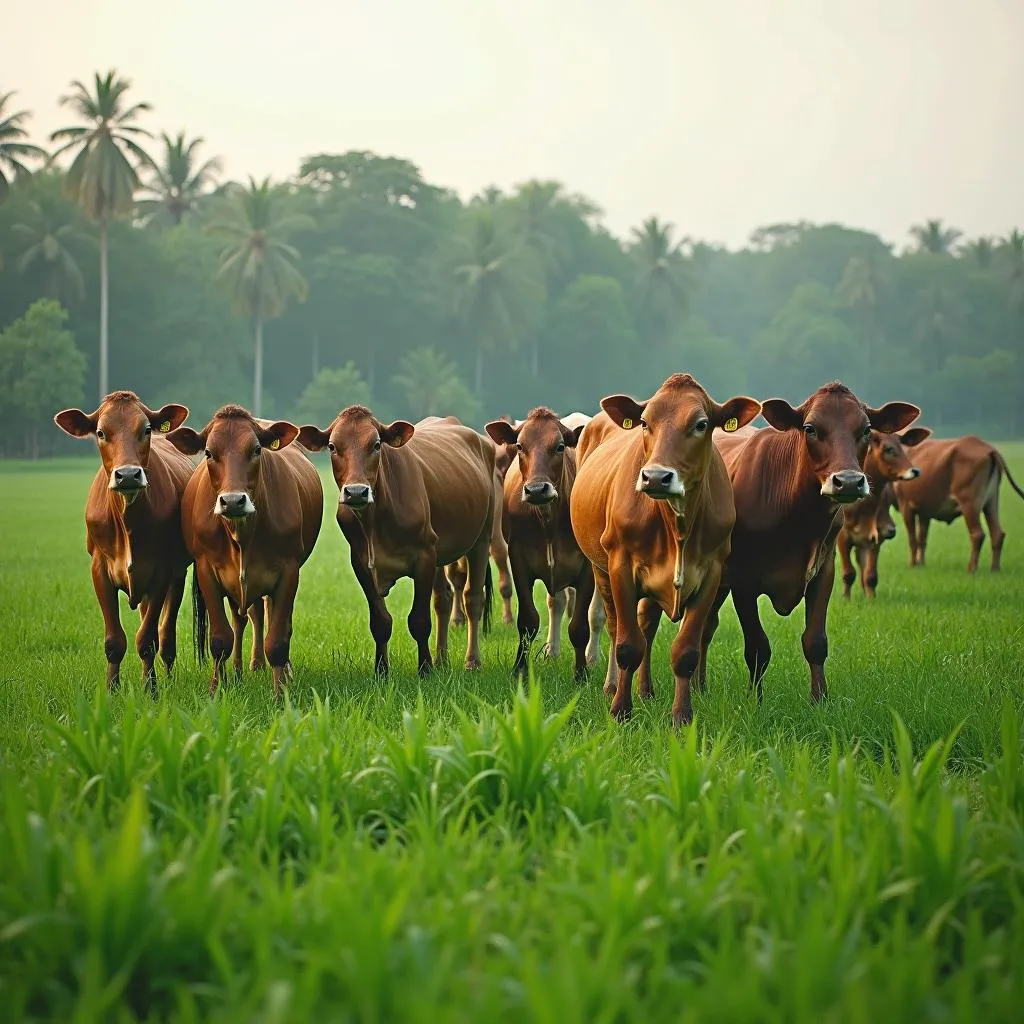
(653, 511)
(535, 519)
(251, 516)
(959, 477)
(867, 524)
(412, 500)
(791, 483)
(133, 524)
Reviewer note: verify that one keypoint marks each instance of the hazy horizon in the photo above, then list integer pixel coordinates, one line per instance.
(720, 119)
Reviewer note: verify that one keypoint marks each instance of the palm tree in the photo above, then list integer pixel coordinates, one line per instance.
(103, 178)
(934, 238)
(257, 264)
(982, 250)
(14, 151)
(661, 281)
(178, 180)
(1011, 252)
(50, 241)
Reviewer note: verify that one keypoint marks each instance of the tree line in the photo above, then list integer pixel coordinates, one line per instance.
(128, 262)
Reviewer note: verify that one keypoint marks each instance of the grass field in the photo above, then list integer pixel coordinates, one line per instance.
(453, 851)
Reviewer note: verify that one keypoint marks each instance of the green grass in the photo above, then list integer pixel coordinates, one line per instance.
(453, 851)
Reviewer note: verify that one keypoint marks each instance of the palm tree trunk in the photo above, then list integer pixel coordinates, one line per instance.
(104, 310)
(257, 383)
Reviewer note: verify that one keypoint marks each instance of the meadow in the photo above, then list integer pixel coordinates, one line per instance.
(459, 850)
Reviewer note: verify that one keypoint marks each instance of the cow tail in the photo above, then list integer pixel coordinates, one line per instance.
(200, 620)
(1001, 463)
(488, 598)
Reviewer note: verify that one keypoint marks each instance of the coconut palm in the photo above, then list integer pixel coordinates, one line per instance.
(981, 250)
(50, 241)
(661, 280)
(257, 264)
(1011, 253)
(104, 174)
(177, 181)
(14, 150)
(934, 238)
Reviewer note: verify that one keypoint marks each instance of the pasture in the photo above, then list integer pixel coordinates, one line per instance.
(452, 851)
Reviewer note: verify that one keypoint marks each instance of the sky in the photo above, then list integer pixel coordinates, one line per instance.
(716, 115)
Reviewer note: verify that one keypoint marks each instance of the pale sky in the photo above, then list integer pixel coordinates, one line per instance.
(717, 115)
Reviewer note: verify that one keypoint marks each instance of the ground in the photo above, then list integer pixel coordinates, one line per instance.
(453, 851)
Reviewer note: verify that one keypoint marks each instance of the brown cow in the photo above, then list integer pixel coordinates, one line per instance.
(133, 524)
(653, 511)
(535, 518)
(251, 515)
(959, 477)
(413, 499)
(867, 524)
(790, 484)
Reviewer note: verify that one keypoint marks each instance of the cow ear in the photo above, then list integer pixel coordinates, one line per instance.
(169, 418)
(914, 436)
(735, 413)
(312, 438)
(502, 432)
(398, 433)
(187, 441)
(572, 437)
(893, 416)
(623, 410)
(75, 422)
(278, 435)
(781, 415)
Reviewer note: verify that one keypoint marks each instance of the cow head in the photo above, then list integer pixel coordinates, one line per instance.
(123, 427)
(889, 453)
(677, 423)
(540, 442)
(355, 440)
(836, 427)
(234, 445)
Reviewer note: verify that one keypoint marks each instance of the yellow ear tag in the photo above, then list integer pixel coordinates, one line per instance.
(275, 444)
(165, 426)
(731, 424)
(398, 442)
(627, 424)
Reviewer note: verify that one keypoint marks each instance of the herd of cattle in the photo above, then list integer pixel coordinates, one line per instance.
(647, 508)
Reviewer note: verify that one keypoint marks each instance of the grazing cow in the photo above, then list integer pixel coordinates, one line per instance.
(413, 499)
(133, 524)
(251, 516)
(653, 511)
(535, 519)
(790, 485)
(867, 524)
(959, 477)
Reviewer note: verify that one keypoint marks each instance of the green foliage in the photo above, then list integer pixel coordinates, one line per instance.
(177, 182)
(15, 150)
(330, 391)
(429, 384)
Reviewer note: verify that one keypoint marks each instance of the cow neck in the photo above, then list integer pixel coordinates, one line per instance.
(367, 517)
(128, 515)
(810, 506)
(241, 533)
(679, 518)
(548, 516)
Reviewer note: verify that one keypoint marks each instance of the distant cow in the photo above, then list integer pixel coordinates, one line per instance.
(251, 515)
(133, 524)
(791, 484)
(413, 499)
(867, 524)
(959, 477)
(653, 511)
(535, 519)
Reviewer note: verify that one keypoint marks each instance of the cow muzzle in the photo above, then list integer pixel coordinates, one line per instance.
(887, 532)
(659, 482)
(539, 492)
(128, 479)
(356, 495)
(911, 474)
(234, 505)
(846, 486)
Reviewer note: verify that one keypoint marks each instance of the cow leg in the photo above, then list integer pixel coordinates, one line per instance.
(595, 618)
(237, 636)
(168, 629)
(527, 619)
(443, 601)
(910, 522)
(458, 573)
(815, 639)
(222, 640)
(479, 563)
(579, 624)
(996, 533)
(258, 614)
(115, 642)
(418, 619)
(557, 603)
(499, 552)
(381, 623)
(277, 646)
(973, 521)
(849, 573)
(147, 638)
(710, 626)
(688, 644)
(629, 640)
(603, 586)
(757, 651)
(923, 522)
(868, 558)
(649, 615)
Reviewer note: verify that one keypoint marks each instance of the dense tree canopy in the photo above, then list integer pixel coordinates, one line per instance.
(429, 304)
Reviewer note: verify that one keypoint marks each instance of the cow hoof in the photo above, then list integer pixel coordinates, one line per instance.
(681, 718)
(609, 689)
(458, 621)
(646, 693)
(621, 713)
(552, 653)
(472, 664)
(581, 675)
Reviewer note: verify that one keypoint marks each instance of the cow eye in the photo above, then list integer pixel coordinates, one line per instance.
(700, 426)
(809, 430)
(559, 448)
(256, 451)
(148, 430)
(330, 446)
(519, 447)
(644, 425)
(376, 445)
(208, 453)
(100, 435)
(867, 432)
